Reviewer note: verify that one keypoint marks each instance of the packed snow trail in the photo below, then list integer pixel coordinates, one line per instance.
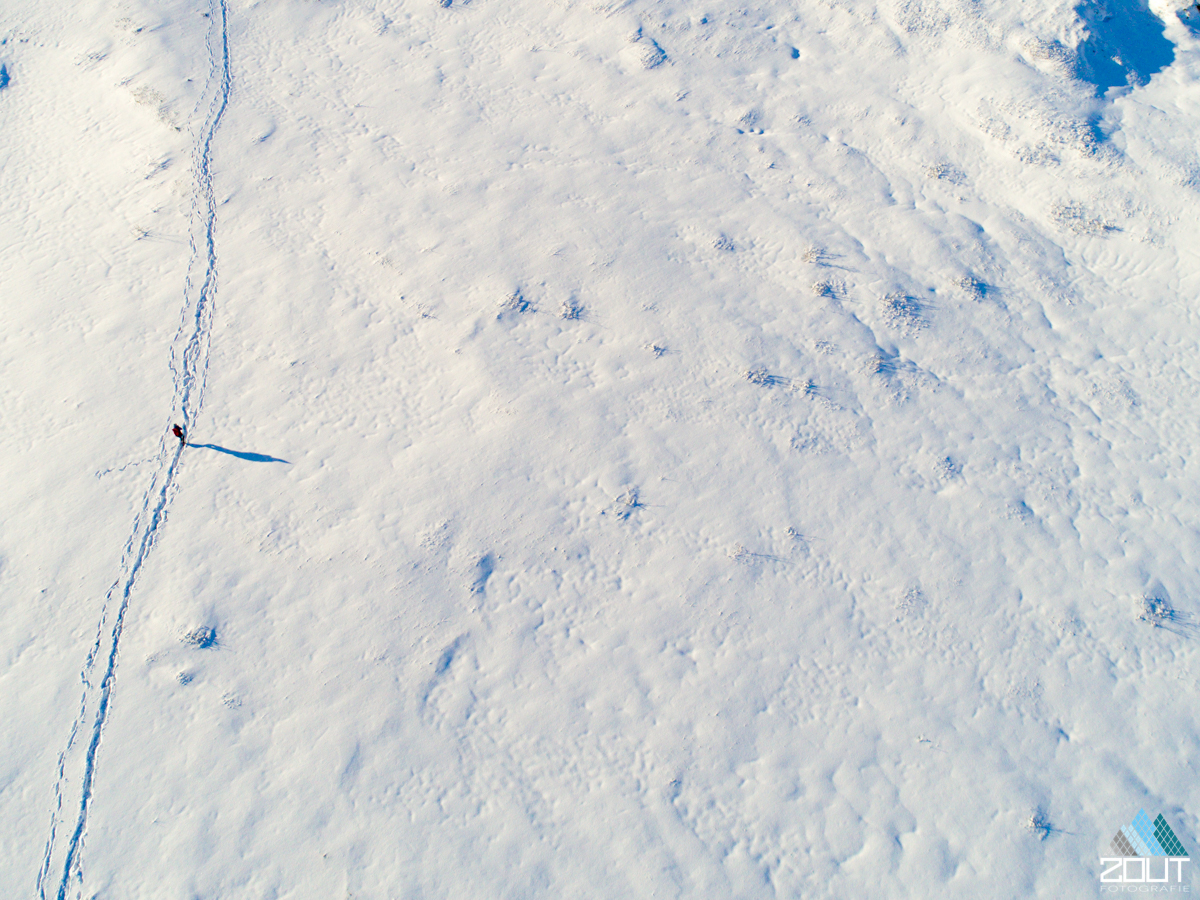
(189, 369)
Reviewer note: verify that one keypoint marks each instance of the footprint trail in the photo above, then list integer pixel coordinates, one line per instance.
(62, 862)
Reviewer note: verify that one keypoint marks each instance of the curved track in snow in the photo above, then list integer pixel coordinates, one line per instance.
(62, 863)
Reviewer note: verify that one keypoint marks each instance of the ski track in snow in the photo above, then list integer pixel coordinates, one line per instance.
(189, 368)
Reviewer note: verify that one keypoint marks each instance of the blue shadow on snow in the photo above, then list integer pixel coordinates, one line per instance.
(1190, 17)
(240, 454)
(1126, 44)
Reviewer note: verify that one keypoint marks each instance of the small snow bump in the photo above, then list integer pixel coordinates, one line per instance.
(944, 171)
(1039, 824)
(514, 303)
(203, 638)
(972, 287)
(1076, 219)
(902, 312)
(653, 56)
(626, 504)
(763, 378)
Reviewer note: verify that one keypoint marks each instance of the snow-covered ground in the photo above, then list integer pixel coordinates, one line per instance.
(642, 449)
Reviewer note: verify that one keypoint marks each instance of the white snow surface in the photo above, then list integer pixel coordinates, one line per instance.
(646, 449)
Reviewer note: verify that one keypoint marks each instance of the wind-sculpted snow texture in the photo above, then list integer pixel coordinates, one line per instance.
(62, 865)
(644, 449)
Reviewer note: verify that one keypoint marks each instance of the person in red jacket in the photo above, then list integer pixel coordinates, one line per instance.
(179, 433)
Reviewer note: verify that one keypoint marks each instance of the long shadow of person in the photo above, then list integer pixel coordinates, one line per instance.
(241, 454)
